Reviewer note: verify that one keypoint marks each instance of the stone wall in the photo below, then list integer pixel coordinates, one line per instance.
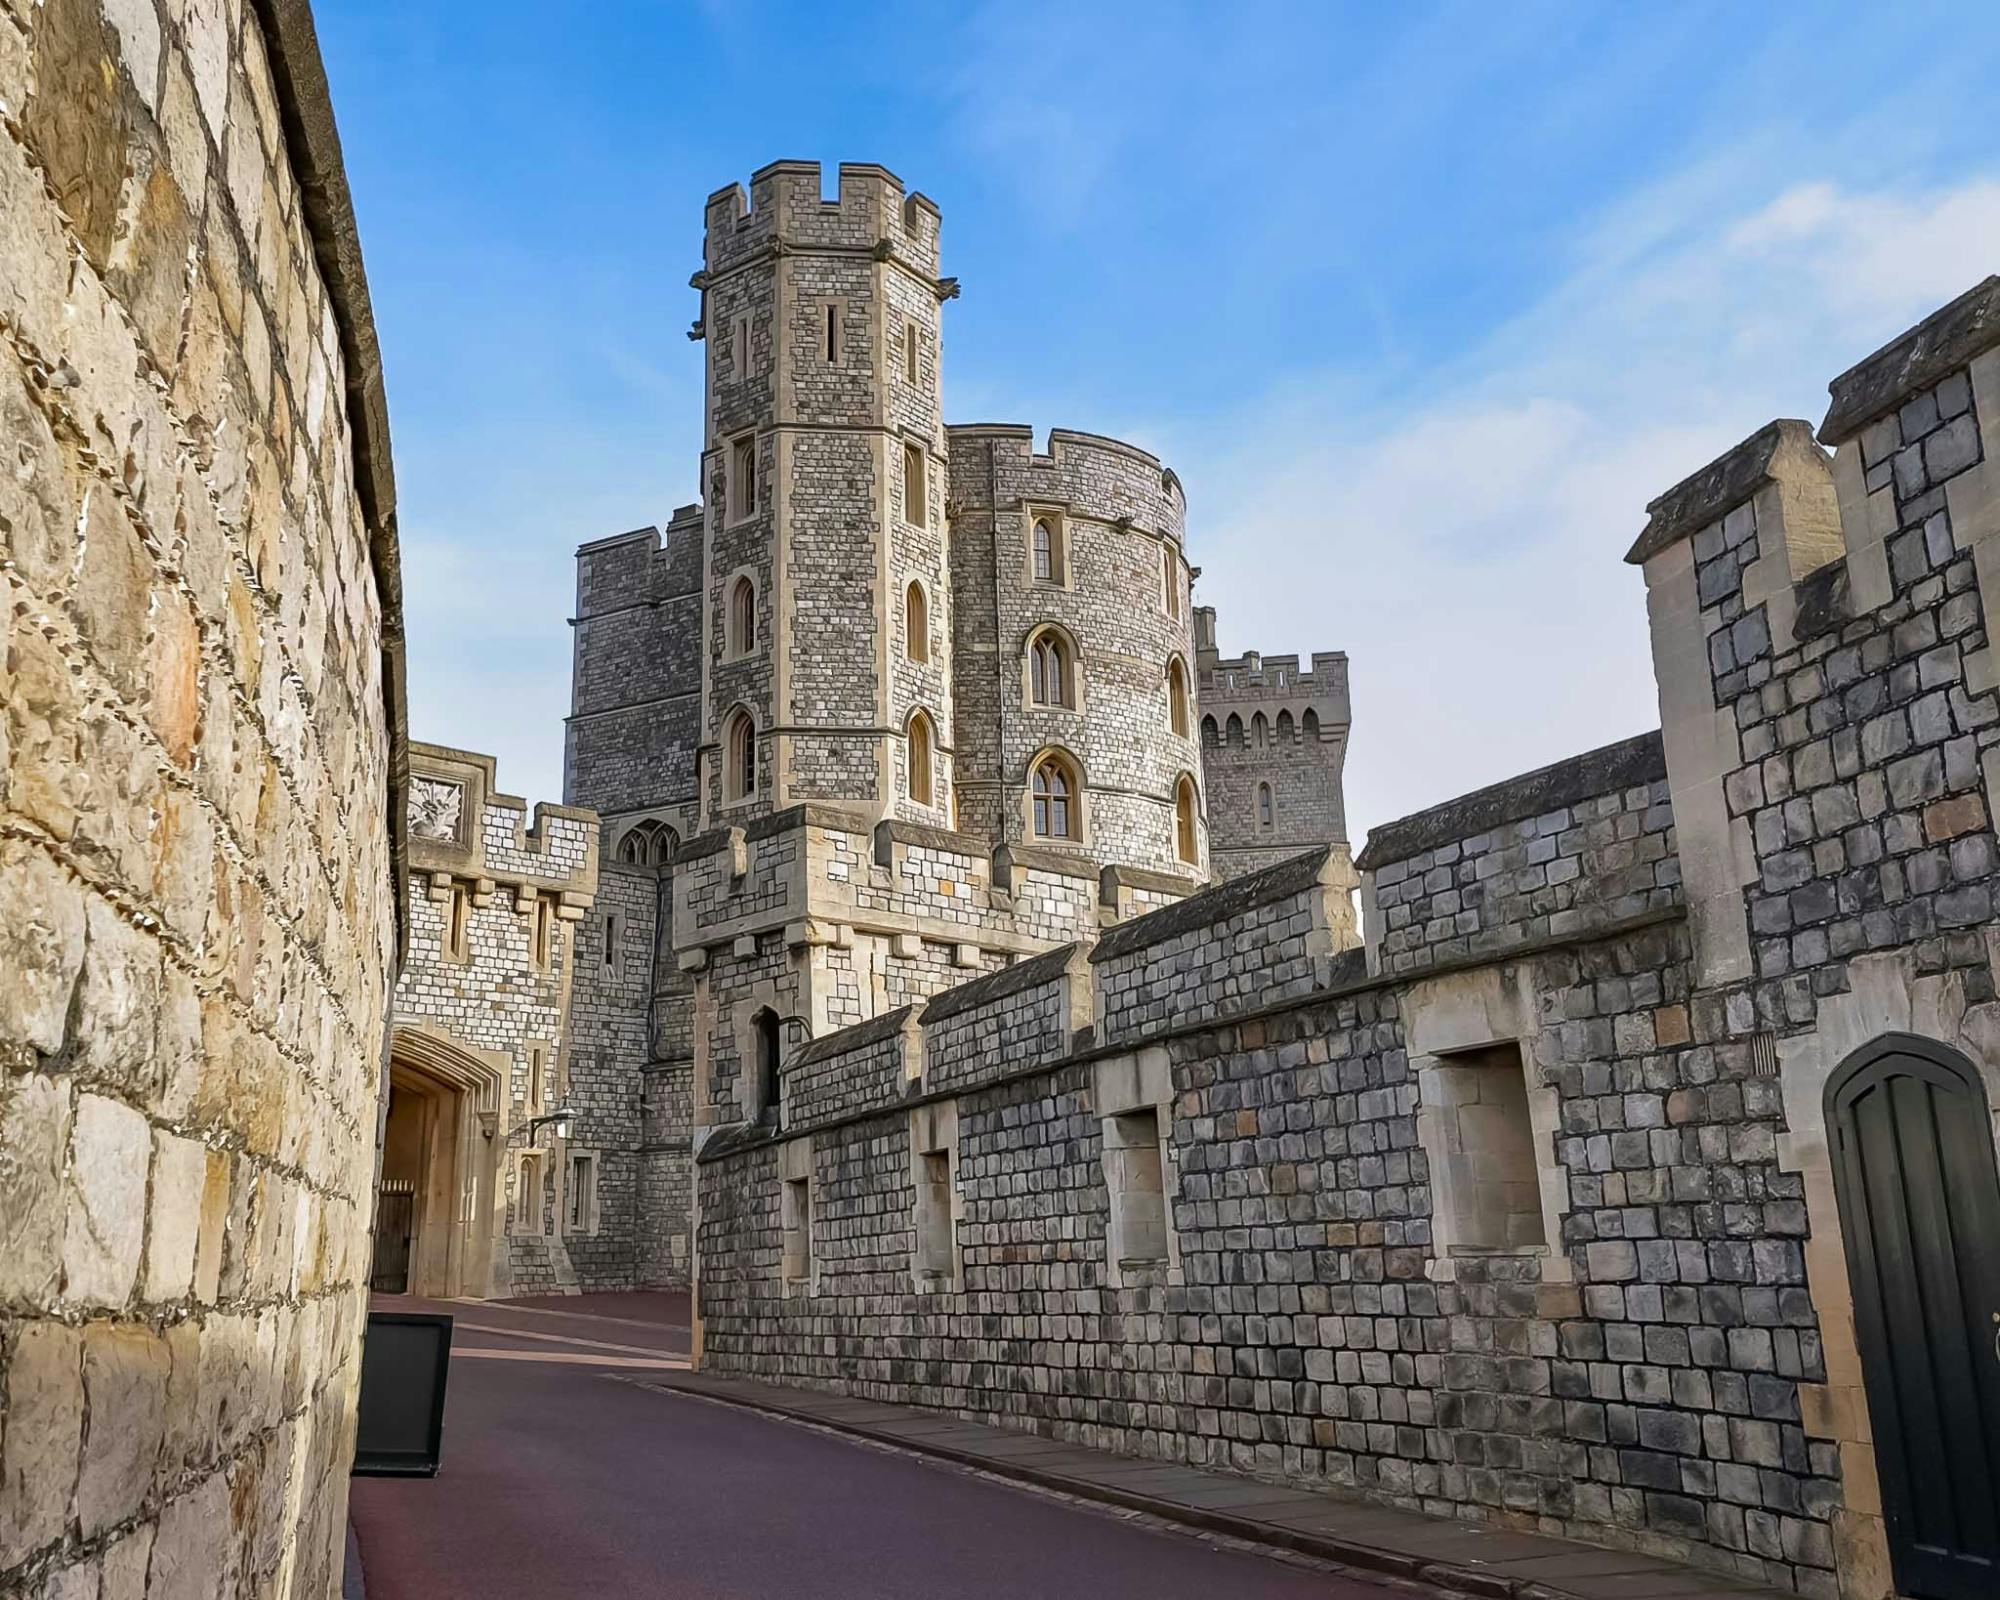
(1647, 968)
(200, 742)
(1584, 845)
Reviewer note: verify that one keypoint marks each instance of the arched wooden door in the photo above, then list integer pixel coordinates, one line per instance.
(1920, 1207)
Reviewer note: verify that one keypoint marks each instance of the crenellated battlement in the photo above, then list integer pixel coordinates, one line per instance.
(1130, 473)
(786, 211)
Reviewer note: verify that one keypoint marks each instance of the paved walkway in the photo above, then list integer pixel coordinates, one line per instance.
(559, 1482)
(1431, 1551)
(567, 1476)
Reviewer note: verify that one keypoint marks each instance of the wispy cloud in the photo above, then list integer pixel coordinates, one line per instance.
(1463, 541)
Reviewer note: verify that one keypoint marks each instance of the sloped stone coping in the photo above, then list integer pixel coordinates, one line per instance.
(1945, 340)
(1036, 970)
(1284, 881)
(1718, 488)
(1606, 770)
(855, 1036)
(1411, 1547)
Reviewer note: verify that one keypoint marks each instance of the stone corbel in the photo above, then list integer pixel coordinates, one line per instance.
(695, 960)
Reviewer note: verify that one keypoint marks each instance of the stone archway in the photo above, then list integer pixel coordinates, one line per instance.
(438, 1190)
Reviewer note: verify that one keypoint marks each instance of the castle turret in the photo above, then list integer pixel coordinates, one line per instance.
(827, 642)
(1274, 745)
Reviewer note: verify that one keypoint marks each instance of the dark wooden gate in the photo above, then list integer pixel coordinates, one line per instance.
(1920, 1207)
(395, 1220)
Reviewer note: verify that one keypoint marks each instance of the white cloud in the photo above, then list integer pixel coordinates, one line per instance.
(1465, 546)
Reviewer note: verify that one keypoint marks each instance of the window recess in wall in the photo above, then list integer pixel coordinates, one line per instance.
(1491, 1179)
(580, 1216)
(1137, 1180)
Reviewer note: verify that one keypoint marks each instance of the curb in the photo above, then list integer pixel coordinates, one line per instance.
(1477, 1581)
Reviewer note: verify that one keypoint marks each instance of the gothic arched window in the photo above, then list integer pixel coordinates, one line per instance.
(1049, 664)
(1184, 820)
(916, 623)
(1177, 698)
(1054, 799)
(742, 617)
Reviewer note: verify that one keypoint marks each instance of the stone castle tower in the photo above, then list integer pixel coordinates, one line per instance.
(1273, 745)
(897, 703)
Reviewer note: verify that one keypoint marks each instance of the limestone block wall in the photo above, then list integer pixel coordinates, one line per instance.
(1120, 517)
(635, 680)
(200, 739)
(1585, 844)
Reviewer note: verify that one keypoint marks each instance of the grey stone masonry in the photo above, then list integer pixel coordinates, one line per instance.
(823, 700)
(1529, 1211)
(1586, 844)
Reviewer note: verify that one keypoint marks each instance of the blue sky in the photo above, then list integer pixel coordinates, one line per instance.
(1423, 303)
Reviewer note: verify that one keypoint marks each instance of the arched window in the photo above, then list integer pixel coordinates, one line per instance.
(1260, 731)
(1170, 577)
(1054, 799)
(1286, 733)
(1232, 733)
(1265, 813)
(920, 760)
(766, 1024)
(1049, 670)
(1311, 724)
(1177, 698)
(1211, 735)
(648, 844)
(1184, 820)
(1048, 552)
(916, 623)
(739, 758)
(742, 617)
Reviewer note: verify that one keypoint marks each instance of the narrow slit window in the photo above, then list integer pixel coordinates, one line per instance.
(911, 346)
(743, 478)
(537, 1069)
(1170, 576)
(1185, 842)
(768, 1085)
(742, 617)
(541, 936)
(1266, 812)
(458, 923)
(914, 507)
(920, 759)
(916, 624)
(832, 333)
(611, 941)
(741, 350)
(582, 1216)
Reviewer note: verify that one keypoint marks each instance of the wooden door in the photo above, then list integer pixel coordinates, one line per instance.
(1920, 1207)
(395, 1222)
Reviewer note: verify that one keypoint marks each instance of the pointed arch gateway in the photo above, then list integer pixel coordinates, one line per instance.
(439, 1193)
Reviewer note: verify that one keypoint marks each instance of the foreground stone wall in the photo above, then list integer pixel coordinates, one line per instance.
(199, 838)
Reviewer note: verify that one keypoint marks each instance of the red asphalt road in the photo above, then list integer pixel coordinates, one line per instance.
(560, 1482)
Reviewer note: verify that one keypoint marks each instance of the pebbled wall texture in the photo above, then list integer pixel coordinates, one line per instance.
(200, 816)
(1526, 1211)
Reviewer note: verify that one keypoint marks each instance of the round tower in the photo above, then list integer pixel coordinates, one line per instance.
(827, 643)
(1071, 580)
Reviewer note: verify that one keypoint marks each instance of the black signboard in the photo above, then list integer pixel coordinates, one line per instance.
(404, 1359)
